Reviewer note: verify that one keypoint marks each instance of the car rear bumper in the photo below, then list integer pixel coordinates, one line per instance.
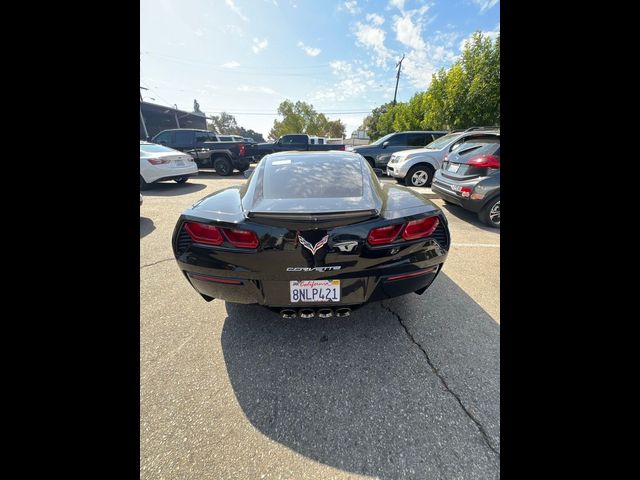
(169, 173)
(443, 189)
(355, 290)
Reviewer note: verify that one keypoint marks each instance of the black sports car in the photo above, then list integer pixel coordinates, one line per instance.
(311, 233)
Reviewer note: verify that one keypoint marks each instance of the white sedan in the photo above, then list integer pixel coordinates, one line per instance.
(159, 163)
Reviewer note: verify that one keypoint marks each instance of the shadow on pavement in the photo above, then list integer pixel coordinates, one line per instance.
(171, 189)
(146, 227)
(360, 394)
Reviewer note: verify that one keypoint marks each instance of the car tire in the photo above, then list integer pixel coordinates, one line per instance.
(490, 214)
(223, 166)
(419, 176)
(143, 184)
(181, 179)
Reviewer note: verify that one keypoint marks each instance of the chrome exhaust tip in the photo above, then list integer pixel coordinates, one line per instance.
(343, 312)
(288, 313)
(307, 313)
(325, 313)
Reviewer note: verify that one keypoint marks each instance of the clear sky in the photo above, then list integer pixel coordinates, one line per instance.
(246, 56)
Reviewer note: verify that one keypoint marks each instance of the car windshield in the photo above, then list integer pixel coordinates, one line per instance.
(380, 141)
(442, 142)
(312, 177)
(153, 148)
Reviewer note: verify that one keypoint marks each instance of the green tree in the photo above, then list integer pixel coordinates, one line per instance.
(224, 124)
(335, 129)
(466, 95)
(301, 117)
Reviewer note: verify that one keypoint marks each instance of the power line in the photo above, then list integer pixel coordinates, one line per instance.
(242, 70)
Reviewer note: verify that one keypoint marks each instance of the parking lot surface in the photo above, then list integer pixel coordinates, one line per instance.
(405, 388)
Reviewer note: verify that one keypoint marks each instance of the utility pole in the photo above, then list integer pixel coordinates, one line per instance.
(144, 125)
(399, 66)
(175, 112)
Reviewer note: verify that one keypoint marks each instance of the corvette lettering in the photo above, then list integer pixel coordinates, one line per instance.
(313, 269)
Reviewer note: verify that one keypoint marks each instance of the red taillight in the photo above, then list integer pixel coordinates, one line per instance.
(342, 147)
(242, 149)
(210, 235)
(465, 191)
(382, 235)
(485, 161)
(241, 238)
(201, 233)
(420, 228)
(157, 161)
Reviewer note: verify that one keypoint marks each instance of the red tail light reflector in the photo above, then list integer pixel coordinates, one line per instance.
(420, 228)
(414, 274)
(485, 161)
(228, 281)
(382, 235)
(241, 238)
(202, 233)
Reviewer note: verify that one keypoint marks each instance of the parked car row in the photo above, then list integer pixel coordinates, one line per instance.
(462, 167)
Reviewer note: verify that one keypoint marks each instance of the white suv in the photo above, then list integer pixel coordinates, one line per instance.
(416, 168)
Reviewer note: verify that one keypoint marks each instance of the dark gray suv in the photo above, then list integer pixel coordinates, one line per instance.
(379, 152)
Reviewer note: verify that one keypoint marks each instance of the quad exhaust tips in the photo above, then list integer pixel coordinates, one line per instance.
(310, 312)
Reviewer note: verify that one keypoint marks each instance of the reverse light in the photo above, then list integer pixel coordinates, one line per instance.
(485, 161)
(382, 235)
(202, 233)
(241, 238)
(158, 161)
(420, 228)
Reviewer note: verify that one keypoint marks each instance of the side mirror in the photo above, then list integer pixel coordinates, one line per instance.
(247, 173)
(378, 172)
(385, 144)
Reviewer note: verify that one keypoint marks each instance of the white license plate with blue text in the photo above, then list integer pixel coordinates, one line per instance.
(314, 291)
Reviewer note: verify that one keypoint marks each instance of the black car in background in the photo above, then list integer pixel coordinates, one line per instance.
(301, 240)
(207, 149)
(470, 177)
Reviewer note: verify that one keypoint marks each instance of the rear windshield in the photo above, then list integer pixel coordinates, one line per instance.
(312, 177)
(442, 141)
(489, 147)
(153, 148)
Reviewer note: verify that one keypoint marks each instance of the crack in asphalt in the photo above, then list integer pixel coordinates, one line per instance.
(155, 263)
(485, 436)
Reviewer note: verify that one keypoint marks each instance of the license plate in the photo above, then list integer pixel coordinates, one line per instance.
(180, 163)
(315, 291)
(453, 167)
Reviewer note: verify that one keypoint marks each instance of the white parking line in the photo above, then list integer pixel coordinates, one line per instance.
(481, 245)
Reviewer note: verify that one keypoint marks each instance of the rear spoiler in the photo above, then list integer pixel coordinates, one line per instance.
(337, 218)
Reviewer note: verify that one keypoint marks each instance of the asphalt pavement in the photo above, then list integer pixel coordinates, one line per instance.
(405, 388)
